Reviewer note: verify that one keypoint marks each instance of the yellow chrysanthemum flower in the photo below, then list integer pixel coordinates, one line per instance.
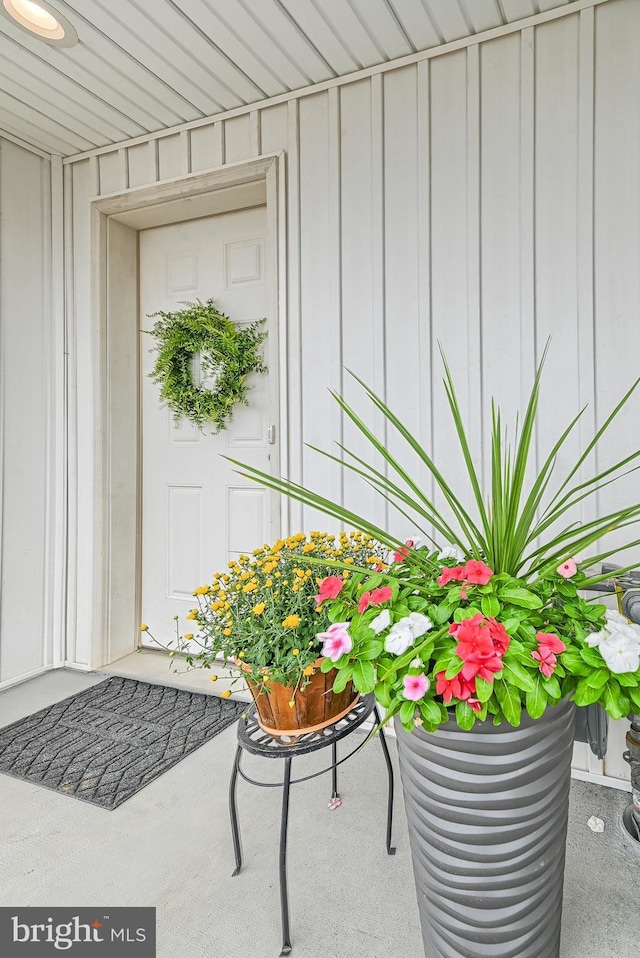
(202, 590)
(226, 694)
(250, 587)
(258, 609)
(213, 678)
(291, 621)
(144, 628)
(308, 671)
(226, 631)
(295, 651)
(188, 636)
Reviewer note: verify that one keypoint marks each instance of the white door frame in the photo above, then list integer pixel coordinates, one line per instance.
(111, 496)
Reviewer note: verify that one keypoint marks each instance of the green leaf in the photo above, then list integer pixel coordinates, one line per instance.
(592, 657)
(509, 701)
(552, 686)
(598, 678)
(613, 701)
(518, 676)
(484, 689)
(337, 612)
(430, 712)
(521, 597)
(454, 668)
(574, 663)
(443, 612)
(344, 675)
(490, 606)
(585, 694)
(364, 677)
(383, 695)
(465, 716)
(370, 650)
(407, 714)
(536, 700)
(634, 695)
(444, 660)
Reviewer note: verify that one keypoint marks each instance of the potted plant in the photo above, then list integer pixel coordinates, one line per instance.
(482, 651)
(263, 614)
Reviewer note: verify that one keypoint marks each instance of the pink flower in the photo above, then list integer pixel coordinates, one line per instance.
(448, 575)
(481, 645)
(476, 572)
(546, 659)
(415, 686)
(458, 687)
(567, 569)
(550, 641)
(400, 555)
(365, 601)
(473, 637)
(337, 641)
(475, 704)
(548, 645)
(499, 636)
(375, 597)
(383, 594)
(330, 588)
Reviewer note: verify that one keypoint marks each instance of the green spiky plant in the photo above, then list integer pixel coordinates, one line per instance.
(523, 594)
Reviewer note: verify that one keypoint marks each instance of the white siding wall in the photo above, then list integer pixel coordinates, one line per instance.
(483, 198)
(29, 600)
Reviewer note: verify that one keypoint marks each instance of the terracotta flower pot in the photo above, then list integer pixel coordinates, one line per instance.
(315, 706)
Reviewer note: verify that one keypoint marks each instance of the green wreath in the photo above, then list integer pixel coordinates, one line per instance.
(228, 354)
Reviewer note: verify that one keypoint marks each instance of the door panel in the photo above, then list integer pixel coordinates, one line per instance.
(197, 511)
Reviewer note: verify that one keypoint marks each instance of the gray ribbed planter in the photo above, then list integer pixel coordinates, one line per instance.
(487, 812)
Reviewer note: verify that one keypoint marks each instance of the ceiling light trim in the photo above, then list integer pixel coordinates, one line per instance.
(52, 27)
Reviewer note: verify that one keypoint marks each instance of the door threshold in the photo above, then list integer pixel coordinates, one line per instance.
(158, 668)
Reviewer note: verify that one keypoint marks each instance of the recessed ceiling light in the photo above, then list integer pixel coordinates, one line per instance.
(41, 19)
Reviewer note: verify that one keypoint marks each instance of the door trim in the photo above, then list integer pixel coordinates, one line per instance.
(111, 613)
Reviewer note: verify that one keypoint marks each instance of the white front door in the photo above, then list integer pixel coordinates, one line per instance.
(197, 511)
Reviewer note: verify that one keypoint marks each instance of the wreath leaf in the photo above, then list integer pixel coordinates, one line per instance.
(229, 353)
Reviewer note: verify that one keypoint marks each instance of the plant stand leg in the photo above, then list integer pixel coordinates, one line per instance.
(284, 892)
(385, 750)
(334, 771)
(233, 812)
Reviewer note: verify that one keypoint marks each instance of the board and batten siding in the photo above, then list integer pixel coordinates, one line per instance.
(484, 198)
(31, 414)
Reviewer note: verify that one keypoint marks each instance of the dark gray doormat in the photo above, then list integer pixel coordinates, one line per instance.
(104, 744)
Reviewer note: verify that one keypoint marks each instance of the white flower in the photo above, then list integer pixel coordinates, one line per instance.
(382, 621)
(400, 638)
(595, 638)
(414, 541)
(621, 652)
(418, 623)
(618, 633)
(451, 552)
(615, 617)
(416, 663)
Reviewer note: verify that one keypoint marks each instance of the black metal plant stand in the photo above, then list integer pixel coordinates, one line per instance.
(254, 739)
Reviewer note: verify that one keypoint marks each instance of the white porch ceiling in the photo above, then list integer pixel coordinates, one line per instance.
(145, 65)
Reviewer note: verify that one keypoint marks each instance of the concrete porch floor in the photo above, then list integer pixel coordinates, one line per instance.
(170, 847)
